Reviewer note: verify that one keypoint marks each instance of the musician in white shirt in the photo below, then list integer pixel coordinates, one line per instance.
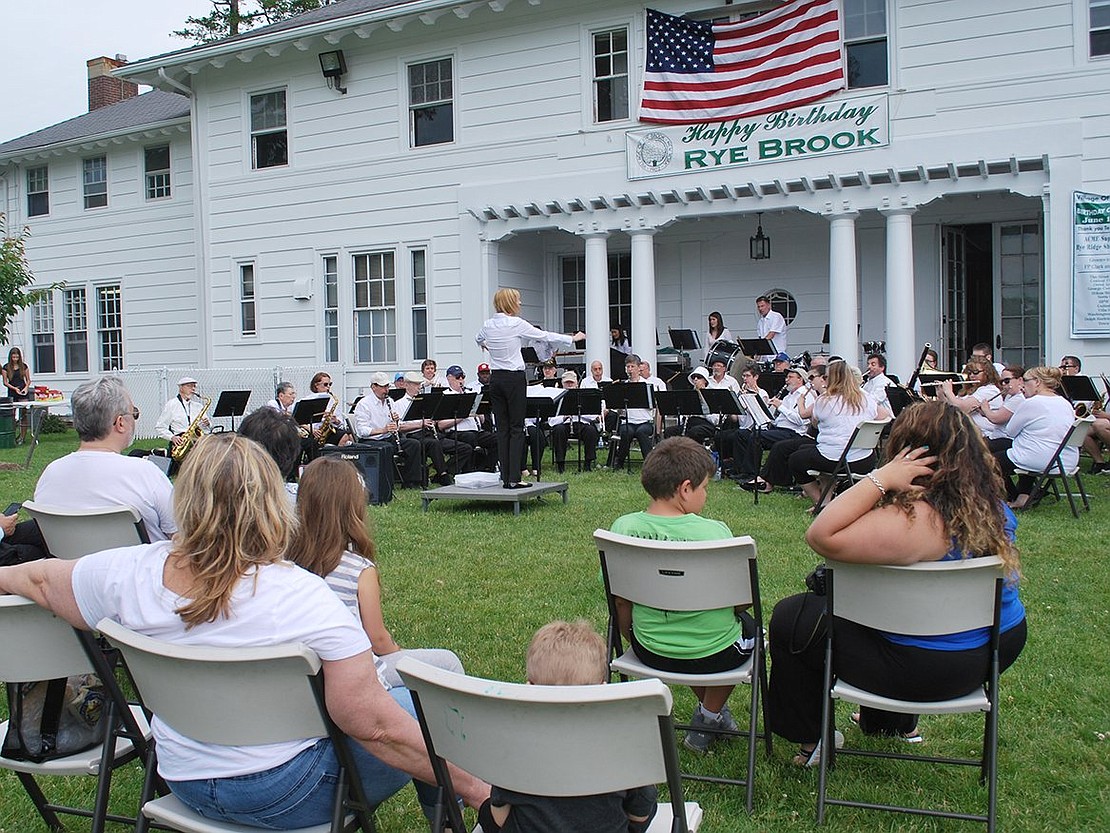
(771, 325)
(179, 413)
(877, 380)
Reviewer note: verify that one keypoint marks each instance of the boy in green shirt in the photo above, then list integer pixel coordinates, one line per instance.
(676, 475)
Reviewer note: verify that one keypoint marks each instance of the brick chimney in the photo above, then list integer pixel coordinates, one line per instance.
(104, 89)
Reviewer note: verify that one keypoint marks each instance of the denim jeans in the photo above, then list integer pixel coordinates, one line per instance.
(301, 791)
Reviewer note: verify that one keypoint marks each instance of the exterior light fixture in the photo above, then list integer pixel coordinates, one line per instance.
(760, 244)
(333, 66)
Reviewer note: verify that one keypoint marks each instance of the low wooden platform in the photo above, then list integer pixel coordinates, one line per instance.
(494, 494)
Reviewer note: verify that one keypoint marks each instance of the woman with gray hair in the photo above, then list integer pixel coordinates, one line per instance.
(97, 474)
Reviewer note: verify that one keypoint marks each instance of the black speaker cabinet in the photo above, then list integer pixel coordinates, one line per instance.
(374, 462)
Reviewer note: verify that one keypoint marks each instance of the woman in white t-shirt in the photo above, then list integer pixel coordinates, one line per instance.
(1036, 429)
(222, 582)
(837, 413)
(333, 542)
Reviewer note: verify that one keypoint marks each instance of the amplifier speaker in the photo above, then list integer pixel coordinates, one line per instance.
(374, 462)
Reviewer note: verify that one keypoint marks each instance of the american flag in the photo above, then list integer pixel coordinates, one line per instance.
(699, 72)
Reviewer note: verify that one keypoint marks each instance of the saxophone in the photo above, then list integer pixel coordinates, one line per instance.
(191, 434)
(322, 433)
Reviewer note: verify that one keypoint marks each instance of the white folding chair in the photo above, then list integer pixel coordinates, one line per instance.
(688, 575)
(72, 533)
(37, 645)
(1047, 477)
(925, 599)
(550, 740)
(866, 437)
(237, 696)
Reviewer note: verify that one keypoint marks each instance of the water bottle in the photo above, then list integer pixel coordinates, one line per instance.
(716, 465)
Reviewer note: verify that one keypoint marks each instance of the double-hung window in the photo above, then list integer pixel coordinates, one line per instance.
(419, 259)
(431, 108)
(95, 179)
(573, 284)
(76, 330)
(269, 137)
(375, 307)
(248, 326)
(331, 308)
(109, 326)
(156, 166)
(610, 75)
(38, 191)
(1100, 27)
(865, 43)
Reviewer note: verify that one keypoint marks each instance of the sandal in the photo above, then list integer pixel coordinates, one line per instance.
(913, 737)
(808, 758)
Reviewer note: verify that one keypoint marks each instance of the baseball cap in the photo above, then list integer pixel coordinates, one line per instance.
(413, 376)
(455, 370)
(379, 378)
(483, 368)
(782, 357)
(571, 375)
(186, 380)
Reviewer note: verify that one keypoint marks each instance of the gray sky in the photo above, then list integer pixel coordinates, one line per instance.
(46, 44)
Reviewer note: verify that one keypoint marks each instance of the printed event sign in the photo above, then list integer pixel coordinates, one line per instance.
(819, 129)
(1090, 295)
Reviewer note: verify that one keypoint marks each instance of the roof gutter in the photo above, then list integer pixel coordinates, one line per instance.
(181, 88)
(196, 54)
(39, 150)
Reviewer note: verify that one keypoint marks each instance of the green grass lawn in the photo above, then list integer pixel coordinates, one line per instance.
(480, 581)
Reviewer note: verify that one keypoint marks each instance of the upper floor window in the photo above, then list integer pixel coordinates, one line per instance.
(269, 138)
(156, 165)
(431, 110)
(610, 75)
(1100, 27)
(95, 177)
(247, 309)
(865, 43)
(38, 191)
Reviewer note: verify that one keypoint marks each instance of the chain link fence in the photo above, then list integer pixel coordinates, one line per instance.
(152, 387)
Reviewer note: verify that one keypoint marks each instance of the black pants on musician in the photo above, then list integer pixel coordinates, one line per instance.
(643, 432)
(808, 458)
(864, 658)
(776, 469)
(1024, 484)
(508, 393)
(698, 429)
(409, 459)
(587, 435)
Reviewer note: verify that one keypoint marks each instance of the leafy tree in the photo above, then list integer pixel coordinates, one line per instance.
(232, 17)
(15, 278)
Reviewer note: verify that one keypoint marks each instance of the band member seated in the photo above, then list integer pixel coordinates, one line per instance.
(597, 375)
(776, 468)
(284, 401)
(433, 447)
(876, 380)
(719, 378)
(468, 430)
(700, 429)
(431, 379)
(484, 376)
(638, 423)
(730, 427)
(583, 428)
(337, 434)
(549, 373)
(787, 425)
(178, 414)
(376, 420)
(984, 390)
(97, 474)
(646, 375)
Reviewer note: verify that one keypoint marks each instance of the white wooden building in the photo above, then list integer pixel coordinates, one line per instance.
(365, 220)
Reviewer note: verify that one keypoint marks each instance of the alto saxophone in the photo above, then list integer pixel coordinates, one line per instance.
(191, 434)
(322, 433)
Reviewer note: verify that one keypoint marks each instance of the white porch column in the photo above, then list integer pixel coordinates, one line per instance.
(643, 295)
(843, 302)
(901, 342)
(597, 298)
(490, 280)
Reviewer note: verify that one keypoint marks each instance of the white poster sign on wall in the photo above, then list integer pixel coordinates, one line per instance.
(1090, 305)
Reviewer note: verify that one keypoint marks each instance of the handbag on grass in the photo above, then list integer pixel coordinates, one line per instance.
(51, 719)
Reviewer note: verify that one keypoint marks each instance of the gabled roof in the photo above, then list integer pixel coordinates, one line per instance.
(148, 109)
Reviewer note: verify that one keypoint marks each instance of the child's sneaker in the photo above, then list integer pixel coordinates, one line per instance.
(700, 741)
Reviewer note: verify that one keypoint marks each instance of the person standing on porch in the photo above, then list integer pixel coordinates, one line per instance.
(503, 336)
(771, 326)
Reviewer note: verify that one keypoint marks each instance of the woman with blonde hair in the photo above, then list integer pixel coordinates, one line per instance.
(940, 497)
(332, 541)
(223, 582)
(503, 336)
(1035, 430)
(983, 394)
(842, 407)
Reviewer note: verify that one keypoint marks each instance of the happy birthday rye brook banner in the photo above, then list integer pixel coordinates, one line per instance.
(820, 129)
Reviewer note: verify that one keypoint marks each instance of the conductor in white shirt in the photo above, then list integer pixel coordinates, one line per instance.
(503, 336)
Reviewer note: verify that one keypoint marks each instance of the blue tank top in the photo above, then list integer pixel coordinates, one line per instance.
(1012, 613)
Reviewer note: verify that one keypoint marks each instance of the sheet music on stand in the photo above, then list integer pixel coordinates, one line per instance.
(757, 409)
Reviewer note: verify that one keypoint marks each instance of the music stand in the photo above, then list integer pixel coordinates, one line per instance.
(722, 401)
(772, 381)
(232, 403)
(757, 409)
(825, 335)
(684, 340)
(616, 365)
(309, 411)
(620, 397)
(758, 347)
(1079, 389)
(540, 408)
(679, 404)
(899, 398)
(455, 406)
(397, 394)
(579, 402)
(530, 355)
